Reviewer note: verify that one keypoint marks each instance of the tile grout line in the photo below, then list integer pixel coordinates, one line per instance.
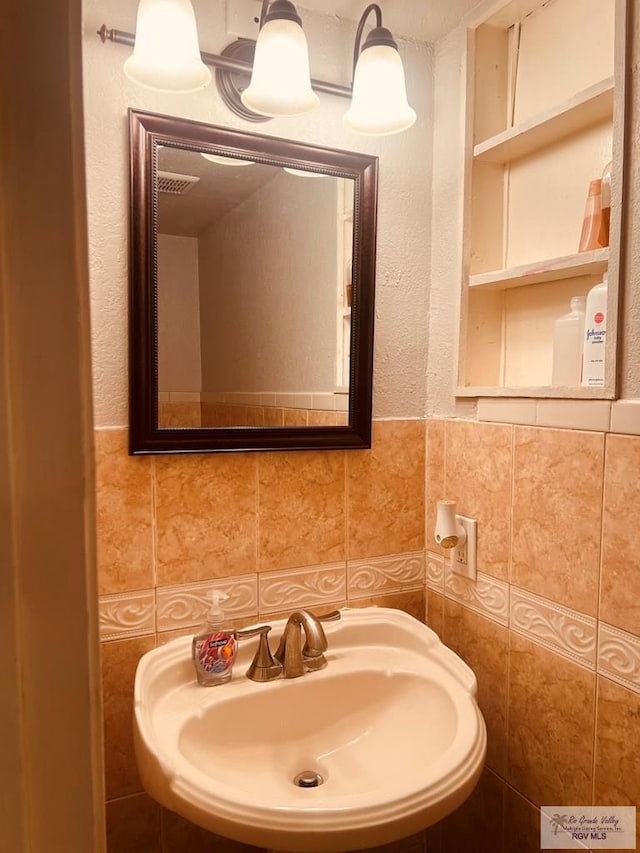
(596, 696)
(596, 691)
(154, 544)
(509, 627)
(257, 529)
(426, 515)
(445, 431)
(346, 520)
(512, 491)
(601, 551)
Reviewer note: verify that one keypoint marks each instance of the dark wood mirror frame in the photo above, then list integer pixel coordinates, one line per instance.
(147, 132)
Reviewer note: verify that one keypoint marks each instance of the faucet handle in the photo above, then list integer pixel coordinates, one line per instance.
(333, 616)
(262, 630)
(263, 667)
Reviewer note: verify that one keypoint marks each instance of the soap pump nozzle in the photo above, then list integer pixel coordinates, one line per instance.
(215, 612)
(214, 647)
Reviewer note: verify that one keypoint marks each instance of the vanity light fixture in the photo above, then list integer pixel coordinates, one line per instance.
(280, 80)
(379, 104)
(165, 57)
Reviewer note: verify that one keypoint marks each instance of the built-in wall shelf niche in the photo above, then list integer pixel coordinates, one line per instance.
(544, 115)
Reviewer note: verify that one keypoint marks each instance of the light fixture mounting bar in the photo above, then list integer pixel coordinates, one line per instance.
(214, 60)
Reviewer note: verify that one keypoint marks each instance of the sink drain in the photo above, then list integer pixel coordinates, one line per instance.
(308, 779)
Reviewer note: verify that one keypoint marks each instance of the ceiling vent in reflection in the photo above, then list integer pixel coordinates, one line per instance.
(175, 184)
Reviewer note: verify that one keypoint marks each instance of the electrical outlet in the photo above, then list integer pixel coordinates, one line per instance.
(463, 557)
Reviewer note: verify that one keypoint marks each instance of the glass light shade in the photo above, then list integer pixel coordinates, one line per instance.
(280, 83)
(302, 173)
(225, 161)
(166, 56)
(379, 103)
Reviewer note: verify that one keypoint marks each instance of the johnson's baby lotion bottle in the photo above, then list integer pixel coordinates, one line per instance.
(595, 335)
(214, 647)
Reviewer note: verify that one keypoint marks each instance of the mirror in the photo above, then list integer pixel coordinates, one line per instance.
(251, 292)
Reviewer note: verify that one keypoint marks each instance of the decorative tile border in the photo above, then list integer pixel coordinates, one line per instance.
(487, 596)
(186, 605)
(619, 656)
(302, 587)
(127, 614)
(435, 572)
(385, 574)
(553, 626)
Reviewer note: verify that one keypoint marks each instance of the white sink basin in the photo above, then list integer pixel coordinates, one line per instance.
(391, 725)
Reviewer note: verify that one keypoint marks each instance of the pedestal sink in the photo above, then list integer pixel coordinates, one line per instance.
(389, 733)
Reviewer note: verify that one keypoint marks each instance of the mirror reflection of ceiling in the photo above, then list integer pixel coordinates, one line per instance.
(422, 21)
(218, 191)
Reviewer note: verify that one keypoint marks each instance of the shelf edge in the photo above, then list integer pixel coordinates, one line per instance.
(489, 150)
(535, 392)
(553, 269)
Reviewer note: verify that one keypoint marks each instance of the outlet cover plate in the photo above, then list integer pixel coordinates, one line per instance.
(464, 557)
(243, 18)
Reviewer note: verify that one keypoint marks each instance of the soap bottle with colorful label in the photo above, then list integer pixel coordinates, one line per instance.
(214, 647)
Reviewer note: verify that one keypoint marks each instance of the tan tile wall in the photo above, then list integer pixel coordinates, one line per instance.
(276, 531)
(229, 415)
(551, 628)
(179, 415)
(192, 415)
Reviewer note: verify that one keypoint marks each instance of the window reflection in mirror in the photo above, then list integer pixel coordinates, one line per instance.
(253, 293)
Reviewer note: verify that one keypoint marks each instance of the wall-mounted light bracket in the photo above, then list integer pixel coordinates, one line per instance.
(231, 84)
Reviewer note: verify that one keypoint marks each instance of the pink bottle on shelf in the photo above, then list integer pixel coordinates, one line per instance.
(605, 201)
(592, 222)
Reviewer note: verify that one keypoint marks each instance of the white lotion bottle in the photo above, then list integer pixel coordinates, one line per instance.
(214, 647)
(595, 335)
(568, 346)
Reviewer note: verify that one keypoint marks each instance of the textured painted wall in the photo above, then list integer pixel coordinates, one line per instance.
(178, 314)
(268, 281)
(404, 220)
(448, 164)
(630, 270)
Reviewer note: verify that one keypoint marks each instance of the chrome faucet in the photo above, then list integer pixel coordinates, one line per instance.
(292, 659)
